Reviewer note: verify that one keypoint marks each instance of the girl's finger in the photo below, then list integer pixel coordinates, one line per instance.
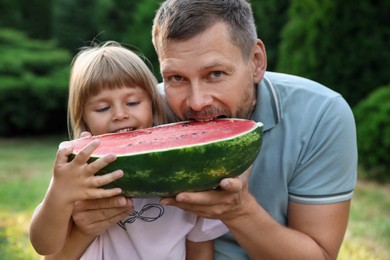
(85, 134)
(84, 154)
(107, 178)
(64, 144)
(100, 163)
(104, 193)
(62, 154)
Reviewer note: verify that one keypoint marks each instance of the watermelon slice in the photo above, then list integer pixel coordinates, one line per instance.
(184, 156)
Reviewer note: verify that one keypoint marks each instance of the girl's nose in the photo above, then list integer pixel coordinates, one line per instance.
(121, 113)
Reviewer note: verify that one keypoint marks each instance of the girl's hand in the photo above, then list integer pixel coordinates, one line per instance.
(85, 134)
(76, 180)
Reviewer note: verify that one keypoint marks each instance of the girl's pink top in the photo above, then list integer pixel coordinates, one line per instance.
(153, 231)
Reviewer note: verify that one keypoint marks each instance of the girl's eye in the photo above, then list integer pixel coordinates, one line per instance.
(102, 109)
(133, 103)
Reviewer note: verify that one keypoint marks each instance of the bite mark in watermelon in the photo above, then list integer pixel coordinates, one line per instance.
(184, 156)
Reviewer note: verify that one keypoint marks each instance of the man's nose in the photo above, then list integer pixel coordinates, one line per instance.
(198, 98)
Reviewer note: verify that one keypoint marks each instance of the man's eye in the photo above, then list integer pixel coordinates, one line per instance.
(216, 74)
(175, 78)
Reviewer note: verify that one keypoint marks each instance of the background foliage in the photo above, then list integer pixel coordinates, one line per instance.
(33, 85)
(373, 118)
(271, 17)
(342, 44)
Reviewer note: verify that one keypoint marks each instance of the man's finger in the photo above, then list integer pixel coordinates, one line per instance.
(99, 215)
(231, 184)
(114, 202)
(96, 222)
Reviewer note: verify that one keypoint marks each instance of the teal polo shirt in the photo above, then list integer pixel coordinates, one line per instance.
(308, 154)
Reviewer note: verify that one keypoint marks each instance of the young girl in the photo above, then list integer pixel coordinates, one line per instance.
(112, 90)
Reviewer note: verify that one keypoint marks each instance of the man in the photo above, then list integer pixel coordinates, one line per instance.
(294, 201)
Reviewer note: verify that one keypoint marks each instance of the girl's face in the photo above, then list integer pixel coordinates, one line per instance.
(118, 110)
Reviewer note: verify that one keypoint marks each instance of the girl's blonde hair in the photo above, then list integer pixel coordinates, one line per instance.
(108, 66)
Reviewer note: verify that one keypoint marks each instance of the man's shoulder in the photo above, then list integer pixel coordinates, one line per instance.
(284, 79)
(291, 95)
(289, 86)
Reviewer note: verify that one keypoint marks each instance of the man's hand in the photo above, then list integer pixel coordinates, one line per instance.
(222, 203)
(93, 217)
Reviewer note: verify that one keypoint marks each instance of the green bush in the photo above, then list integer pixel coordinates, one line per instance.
(33, 85)
(270, 18)
(373, 133)
(342, 44)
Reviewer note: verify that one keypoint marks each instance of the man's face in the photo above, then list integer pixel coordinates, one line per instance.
(206, 76)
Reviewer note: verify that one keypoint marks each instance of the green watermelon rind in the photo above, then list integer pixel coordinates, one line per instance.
(194, 168)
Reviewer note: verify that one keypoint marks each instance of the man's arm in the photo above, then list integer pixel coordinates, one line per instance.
(313, 231)
(200, 250)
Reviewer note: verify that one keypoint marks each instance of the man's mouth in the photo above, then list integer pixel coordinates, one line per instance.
(201, 119)
(208, 114)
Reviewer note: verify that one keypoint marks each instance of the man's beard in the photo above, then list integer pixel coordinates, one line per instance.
(245, 110)
(248, 102)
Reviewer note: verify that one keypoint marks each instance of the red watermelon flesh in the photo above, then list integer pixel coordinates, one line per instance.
(185, 156)
(167, 136)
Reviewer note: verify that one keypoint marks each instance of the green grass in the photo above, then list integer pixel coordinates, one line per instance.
(25, 171)
(26, 168)
(368, 234)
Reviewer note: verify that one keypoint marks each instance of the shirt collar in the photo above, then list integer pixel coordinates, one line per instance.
(267, 108)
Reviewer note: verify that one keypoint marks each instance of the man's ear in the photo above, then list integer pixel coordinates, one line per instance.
(259, 61)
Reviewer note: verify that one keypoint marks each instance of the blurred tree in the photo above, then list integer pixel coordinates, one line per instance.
(139, 33)
(373, 134)
(113, 17)
(30, 16)
(130, 23)
(342, 44)
(10, 14)
(73, 23)
(36, 18)
(270, 18)
(33, 85)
